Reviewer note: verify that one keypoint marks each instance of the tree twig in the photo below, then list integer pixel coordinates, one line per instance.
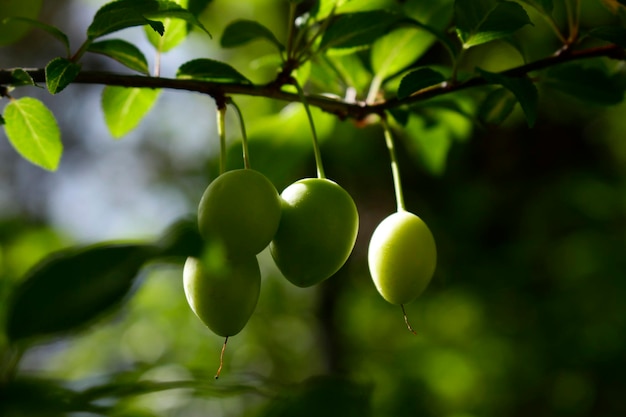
(343, 109)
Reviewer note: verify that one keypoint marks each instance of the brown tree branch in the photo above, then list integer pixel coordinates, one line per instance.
(343, 109)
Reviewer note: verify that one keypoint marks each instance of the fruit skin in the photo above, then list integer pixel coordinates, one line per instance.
(13, 31)
(223, 297)
(402, 257)
(241, 209)
(317, 231)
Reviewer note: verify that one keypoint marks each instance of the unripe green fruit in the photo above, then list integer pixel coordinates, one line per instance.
(13, 31)
(241, 210)
(317, 231)
(402, 257)
(223, 297)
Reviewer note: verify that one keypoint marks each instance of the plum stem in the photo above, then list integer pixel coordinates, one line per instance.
(219, 370)
(395, 170)
(221, 132)
(316, 146)
(244, 136)
(406, 320)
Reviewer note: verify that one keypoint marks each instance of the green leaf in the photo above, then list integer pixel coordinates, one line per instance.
(543, 6)
(73, 287)
(196, 7)
(522, 88)
(360, 29)
(123, 52)
(125, 107)
(33, 132)
(19, 77)
(2, 121)
(432, 135)
(613, 34)
(52, 30)
(181, 240)
(591, 84)
(496, 107)
(479, 21)
(60, 72)
(210, 70)
(399, 49)
(243, 31)
(176, 31)
(417, 80)
(122, 14)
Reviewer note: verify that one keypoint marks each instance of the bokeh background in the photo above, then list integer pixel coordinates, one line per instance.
(525, 314)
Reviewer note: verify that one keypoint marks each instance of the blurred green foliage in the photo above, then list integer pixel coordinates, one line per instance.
(525, 314)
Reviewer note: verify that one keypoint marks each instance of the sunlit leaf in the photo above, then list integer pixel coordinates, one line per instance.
(417, 80)
(122, 14)
(52, 30)
(522, 88)
(358, 29)
(243, 31)
(399, 49)
(71, 288)
(480, 21)
(33, 132)
(123, 52)
(591, 84)
(496, 107)
(175, 32)
(60, 72)
(210, 70)
(125, 107)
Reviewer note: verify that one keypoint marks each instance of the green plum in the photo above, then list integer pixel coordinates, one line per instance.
(317, 231)
(240, 209)
(223, 296)
(13, 31)
(402, 257)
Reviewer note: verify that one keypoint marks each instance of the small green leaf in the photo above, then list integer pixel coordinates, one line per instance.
(360, 29)
(52, 30)
(176, 31)
(122, 14)
(243, 31)
(496, 107)
(591, 84)
(613, 34)
(19, 77)
(123, 52)
(125, 107)
(73, 287)
(210, 70)
(33, 132)
(2, 121)
(60, 72)
(417, 80)
(522, 88)
(478, 21)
